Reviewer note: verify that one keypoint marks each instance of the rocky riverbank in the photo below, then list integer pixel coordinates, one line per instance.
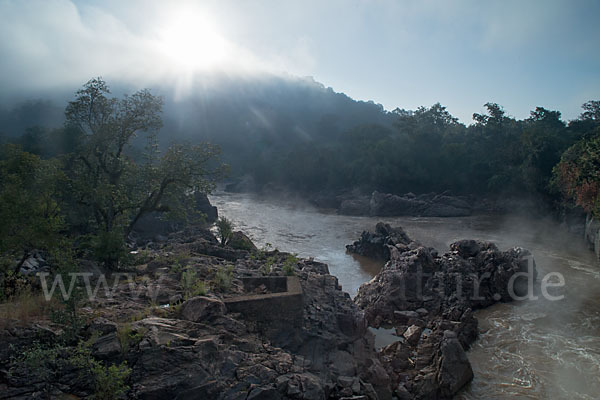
(193, 320)
(429, 300)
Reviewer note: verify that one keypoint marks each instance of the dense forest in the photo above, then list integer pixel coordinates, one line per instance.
(294, 134)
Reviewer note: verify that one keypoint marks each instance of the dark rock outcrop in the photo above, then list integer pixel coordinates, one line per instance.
(203, 205)
(430, 299)
(202, 309)
(155, 227)
(376, 244)
(239, 241)
(358, 206)
(390, 205)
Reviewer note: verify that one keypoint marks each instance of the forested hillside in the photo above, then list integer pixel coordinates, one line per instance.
(297, 135)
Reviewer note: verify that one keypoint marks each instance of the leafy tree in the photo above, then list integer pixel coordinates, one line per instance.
(578, 174)
(591, 110)
(29, 210)
(114, 188)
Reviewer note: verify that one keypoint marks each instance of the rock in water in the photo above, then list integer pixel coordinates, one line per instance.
(376, 245)
(454, 368)
(390, 205)
(435, 295)
(354, 207)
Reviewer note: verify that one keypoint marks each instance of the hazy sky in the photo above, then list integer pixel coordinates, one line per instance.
(520, 54)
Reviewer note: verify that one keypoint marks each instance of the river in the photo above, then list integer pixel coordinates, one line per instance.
(532, 349)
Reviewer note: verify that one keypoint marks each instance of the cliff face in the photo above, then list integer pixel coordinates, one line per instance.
(429, 300)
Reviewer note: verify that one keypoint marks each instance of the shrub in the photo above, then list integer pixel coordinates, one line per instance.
(128, 338)
(268, 265)
(224, 230)
(38, 360)
(223, 279)
(109, 381)
(109, 248)
(289, 265)
(191, 284)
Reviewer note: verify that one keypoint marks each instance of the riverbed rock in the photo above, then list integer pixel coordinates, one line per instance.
(454, 368)
(377, 244)
(430, 298)
(389, 205)
(358, 206)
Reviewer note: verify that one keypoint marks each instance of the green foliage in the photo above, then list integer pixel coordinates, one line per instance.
(268, 265)
(109, 381)
(109, 248)
(112, 187)
(577, 176)
(224, 230)
(191, 284)
(223, 279)
(68, 316)
(428, 150)
(38, 360)
(11, 283)
(289, 265)
(40, 363)
(129, 338)
(29, 209)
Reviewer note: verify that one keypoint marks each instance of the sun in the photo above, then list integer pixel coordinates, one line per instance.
(191, 42)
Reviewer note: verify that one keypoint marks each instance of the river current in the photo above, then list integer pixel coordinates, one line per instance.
(531, 349)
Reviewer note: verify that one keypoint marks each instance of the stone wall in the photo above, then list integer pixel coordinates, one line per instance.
(280, 307)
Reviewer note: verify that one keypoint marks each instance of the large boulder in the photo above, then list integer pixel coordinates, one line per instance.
(387, 205)
(240, 241)
(454, 368)
(376, 244)
(202, 308)
(354, 207)
(390, 205)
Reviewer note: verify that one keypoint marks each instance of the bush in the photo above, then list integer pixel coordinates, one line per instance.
(289, 265)
(268, 265)
(39, 362)
(109, 381)
(129, 338)
(191, 284)
(224, 230)
(109, 248)
(223, 279)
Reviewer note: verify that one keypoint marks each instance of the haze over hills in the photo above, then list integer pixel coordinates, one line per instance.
(232, 111)
(297, 133)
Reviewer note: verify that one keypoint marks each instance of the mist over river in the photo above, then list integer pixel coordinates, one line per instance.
(532, 349)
